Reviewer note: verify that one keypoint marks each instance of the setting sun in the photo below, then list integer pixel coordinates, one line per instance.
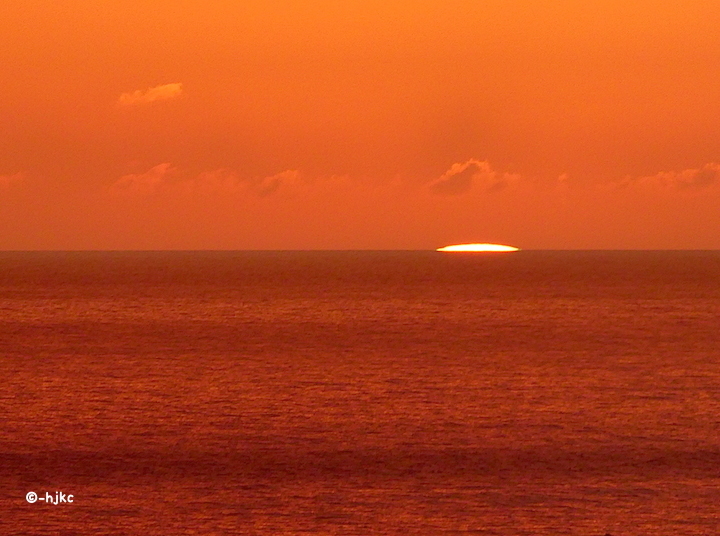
(478, 248)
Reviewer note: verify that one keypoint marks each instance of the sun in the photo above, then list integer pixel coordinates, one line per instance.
(478, 248)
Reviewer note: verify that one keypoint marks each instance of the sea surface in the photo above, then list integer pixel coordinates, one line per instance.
(360, 393)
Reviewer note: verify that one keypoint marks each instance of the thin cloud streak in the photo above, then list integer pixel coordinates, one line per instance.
(458, 180)
(164, 177)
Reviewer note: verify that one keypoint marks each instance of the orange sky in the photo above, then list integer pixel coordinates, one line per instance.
(359, 124)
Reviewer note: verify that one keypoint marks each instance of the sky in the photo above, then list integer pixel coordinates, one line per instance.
(360, 124)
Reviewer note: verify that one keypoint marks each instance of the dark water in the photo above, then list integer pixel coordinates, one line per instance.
(361, 393)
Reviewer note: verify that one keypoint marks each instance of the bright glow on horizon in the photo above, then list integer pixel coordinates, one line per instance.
(478, 247)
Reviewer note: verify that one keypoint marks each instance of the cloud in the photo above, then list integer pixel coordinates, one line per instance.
(163, 92)
(9, 180)
(143, 183)
(272, 184)
(688, 179)
(461, 177)
(219, 181)
(225, 181)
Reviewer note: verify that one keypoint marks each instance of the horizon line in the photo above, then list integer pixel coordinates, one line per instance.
(210, 250)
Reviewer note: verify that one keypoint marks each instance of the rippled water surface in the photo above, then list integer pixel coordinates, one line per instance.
(361, 393)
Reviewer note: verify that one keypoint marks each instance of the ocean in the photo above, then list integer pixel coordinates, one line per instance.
(360, 393)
